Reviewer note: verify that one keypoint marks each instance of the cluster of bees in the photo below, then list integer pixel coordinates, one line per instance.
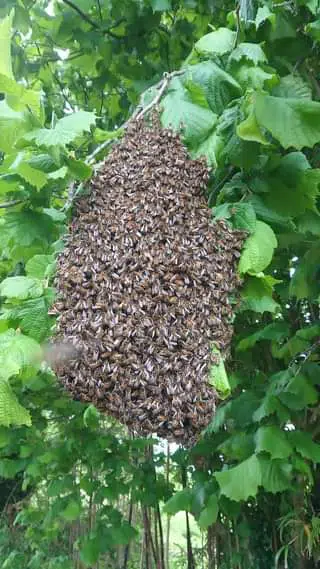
(143, 286)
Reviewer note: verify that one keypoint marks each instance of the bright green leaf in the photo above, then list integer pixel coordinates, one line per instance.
(34, 177)
(250, 130)
(181, 115)
(5, 45)
(11, 412)
(161, 5)
(292, 86)
(242, 481)
(264, 14)
(219, 42)
(179, 501)
(72, 511)
(258, 249)
(16, 352)
(209, 515)
(21, 287)
(304, 444)
(218, 377)
(293, 122)
(65, 131)
(275, 475)
(250, 51)
(273, 440)
(40, 266)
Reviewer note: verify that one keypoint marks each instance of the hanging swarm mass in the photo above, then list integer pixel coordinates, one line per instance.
(143, 288)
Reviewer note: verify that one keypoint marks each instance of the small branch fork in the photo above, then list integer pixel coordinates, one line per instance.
(140, 111)
(94, 24)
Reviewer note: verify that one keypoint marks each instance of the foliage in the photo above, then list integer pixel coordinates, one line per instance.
(247, 99)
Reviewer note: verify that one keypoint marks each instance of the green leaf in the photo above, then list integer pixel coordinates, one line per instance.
(209, 148)
(293, 122)
(243, 216)
(258, 249)
(72, 511)
(292, 86)
(269, 405)
(21, 287)
(218, 86)
(13, 125)
(304, 282)
(250, 51)
(90, 551)
(275, 331)
(313, 29)
(79, 169)
(91, 417)
(218, 419)
(250, 130)
(256, 295)
(5, 45)
(218, 377)
(273, 440)
(8, 187)
(276, 475)
(304, 444)
(268, 214)
(161, 5)
(42, 162)
(27, 228)
(21, 99)
(255, 77)
(11, 412)
(237, 447)
(17, 352)
(309, 222)
(65, 131)
(196, 93)
(61, 173)
(32, 316)
(60, 486)
(209, 515)
(242, 481)
(40, 266)
(219, 42)
(295, 392)
(313, 6)
(34, 177)
(179, 501)
(264, 14)
(194, 121)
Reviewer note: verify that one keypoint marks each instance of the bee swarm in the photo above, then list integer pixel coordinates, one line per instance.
(143, 287)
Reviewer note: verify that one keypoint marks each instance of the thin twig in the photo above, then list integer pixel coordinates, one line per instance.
(11, 203)
(82, 14)
(139, 112)
(92, 23)
(161, 87)
(99, 9)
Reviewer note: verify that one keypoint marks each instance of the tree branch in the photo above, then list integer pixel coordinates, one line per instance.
(92, 23)
(161, 86)
(82, 14)
(140, 111)
(10, 204)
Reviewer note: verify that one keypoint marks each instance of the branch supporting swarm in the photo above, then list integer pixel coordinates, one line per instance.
(140, 112)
